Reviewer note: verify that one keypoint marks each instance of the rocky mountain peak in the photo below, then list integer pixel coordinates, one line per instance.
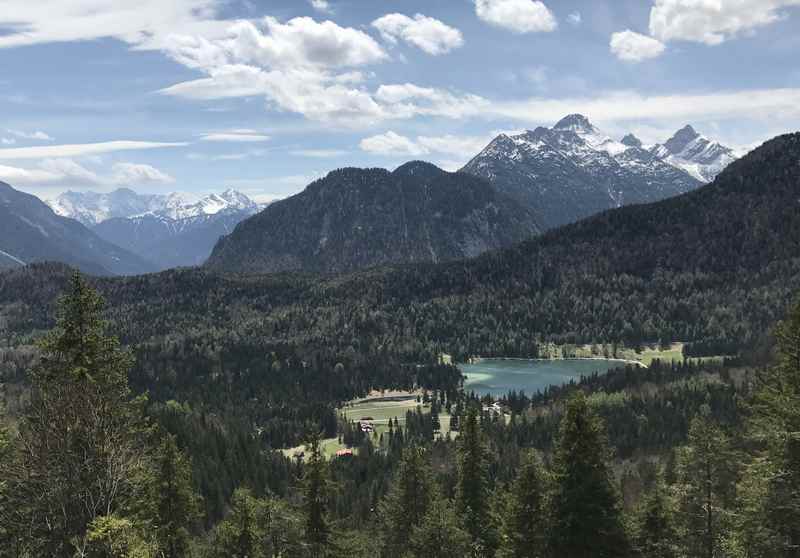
(631, 141)
(575, 123)
(681, 139)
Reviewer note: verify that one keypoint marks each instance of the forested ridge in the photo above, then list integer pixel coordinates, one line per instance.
(237, 365)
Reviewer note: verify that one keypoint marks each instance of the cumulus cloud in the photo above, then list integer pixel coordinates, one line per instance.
(428, 34)
(239, 135)
(519, 16)
(79, 149)
(712, 21)
(634, 47)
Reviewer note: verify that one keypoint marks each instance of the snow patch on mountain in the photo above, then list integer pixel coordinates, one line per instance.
(701, 157)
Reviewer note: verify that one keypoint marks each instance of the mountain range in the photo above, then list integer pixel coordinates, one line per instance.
(30, 232)
(356, 218)
(574, 170)
(169, 230)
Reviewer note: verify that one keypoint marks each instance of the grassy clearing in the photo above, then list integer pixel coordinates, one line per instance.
(646, 356)
(382, 407)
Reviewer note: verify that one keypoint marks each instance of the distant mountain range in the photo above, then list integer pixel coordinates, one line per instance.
(31, 232)
(169, 230)
(574, 170)
(519, 186)
(356, 218)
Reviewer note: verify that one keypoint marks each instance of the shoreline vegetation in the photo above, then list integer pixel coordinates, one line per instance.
(478, 360)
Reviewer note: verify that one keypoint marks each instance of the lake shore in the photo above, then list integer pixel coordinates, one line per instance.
(478, 360)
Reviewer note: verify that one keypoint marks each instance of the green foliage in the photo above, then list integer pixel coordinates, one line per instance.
(315, 501)
(409, 498)
(440, 534)
(81, 453)
(114, 537)
(706, 488)
(587, 519)
(655, 534)
(526, 521)
(176, 504)
(473, 490)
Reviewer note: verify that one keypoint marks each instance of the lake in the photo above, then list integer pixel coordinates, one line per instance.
(497, 377)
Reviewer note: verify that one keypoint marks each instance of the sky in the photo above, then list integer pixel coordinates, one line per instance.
(266, 95)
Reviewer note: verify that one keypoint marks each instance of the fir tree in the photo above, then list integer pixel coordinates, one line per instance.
(407, 502)
(472, 488)
(776, 424)
(315, 500)
(241, 533)
(80, 454)
(655, 535)
(176, 503)
(587, 520)
(525, 527)
(439, 535)
(706, 487)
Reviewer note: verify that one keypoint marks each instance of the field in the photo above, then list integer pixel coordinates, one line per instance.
(381, 407)
(646, 355)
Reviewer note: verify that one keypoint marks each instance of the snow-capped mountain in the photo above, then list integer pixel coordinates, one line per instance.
(170, 230)
(574, 170)
(92, 208)
(699, 156)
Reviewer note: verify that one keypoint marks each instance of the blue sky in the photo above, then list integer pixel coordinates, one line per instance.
(264, 96)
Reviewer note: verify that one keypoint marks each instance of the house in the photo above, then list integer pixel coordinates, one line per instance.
(347, 452)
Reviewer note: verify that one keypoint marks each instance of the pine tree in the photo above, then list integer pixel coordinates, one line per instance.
(525, 527)
(706, 484)
(407, 502)
(241, 533)
(655, 535)
(776, 424)
(80, 453)
(472, 488)
(176, 506)
(315, 500)
(586, 514)
(439, 535)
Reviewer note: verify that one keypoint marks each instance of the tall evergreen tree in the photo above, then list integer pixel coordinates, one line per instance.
(241, 533)
(586, 512)
(473, 491)
(655, 535)
(776, 423)
(176, 503)
(80, 453)
(315, 500)
(409, 498)
(707, 480)
(439, 535)
(526, 523)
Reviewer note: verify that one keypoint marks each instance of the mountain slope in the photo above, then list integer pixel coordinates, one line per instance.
(30, 231)
(574, 170)
(171, 242)
(356, 218)
(699, 156)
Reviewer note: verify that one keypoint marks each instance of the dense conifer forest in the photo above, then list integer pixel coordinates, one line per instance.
(143, 416)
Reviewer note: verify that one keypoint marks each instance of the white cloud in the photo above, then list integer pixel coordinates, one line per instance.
(634, 47)
(140, 23)
(138, 174)
(244, 136)
(76, 150)
(426, 33)
(712, 21)
(407, 100)
(7, 141)
(319, 153)
(68, 173)
(519, 16)
(37, 135)
(321, 6)
(625, 106)
(575, 18)
(391, 143)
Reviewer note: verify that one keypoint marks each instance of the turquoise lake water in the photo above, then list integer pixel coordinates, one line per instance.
(499, 376)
